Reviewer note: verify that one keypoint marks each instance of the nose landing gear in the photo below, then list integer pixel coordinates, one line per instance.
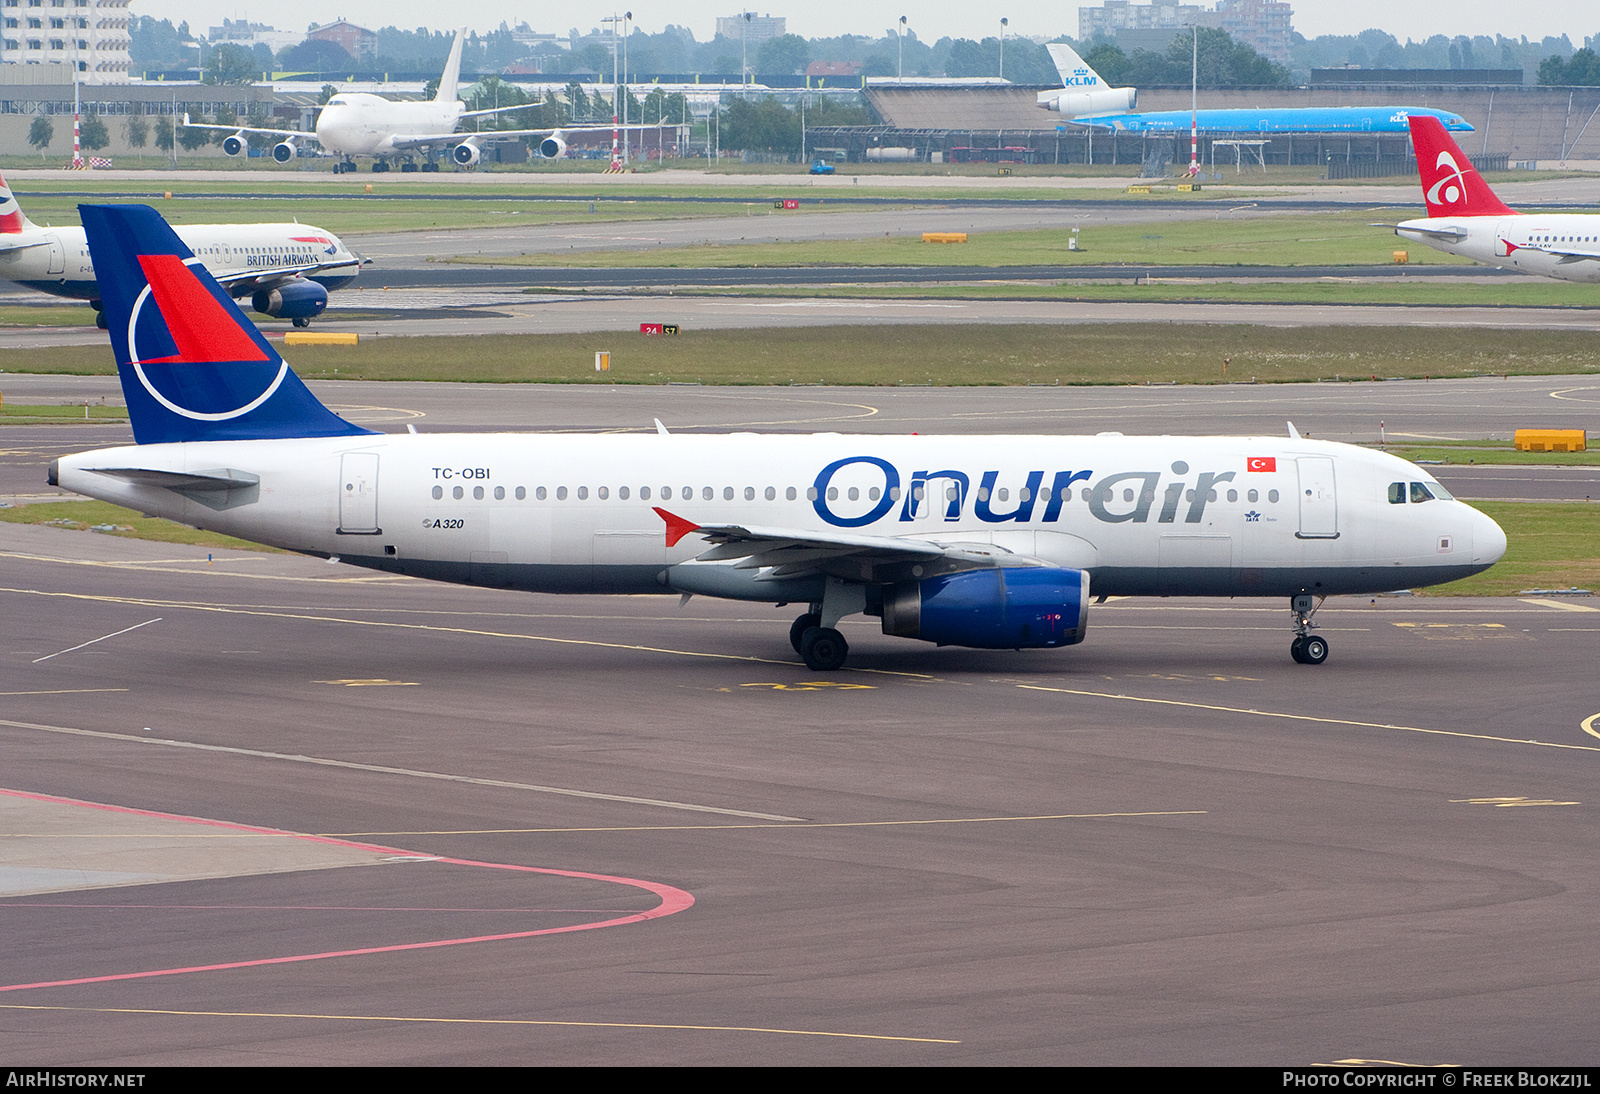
(1307, 648)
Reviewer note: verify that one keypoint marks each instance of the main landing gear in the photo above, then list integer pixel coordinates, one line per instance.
(823, 649)
(1307, 648)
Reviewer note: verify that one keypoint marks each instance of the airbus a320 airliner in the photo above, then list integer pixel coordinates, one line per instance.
(1465, 218)
(990, 542)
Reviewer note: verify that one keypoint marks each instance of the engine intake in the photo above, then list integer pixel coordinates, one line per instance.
(1003, 609)
(552, 148)
(235, 145)
(466, 154)
(285, 151)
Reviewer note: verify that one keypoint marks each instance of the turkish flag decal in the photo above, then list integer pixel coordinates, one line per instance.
(1261, 463)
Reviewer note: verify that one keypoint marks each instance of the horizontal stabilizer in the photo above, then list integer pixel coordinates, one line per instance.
(223, 478)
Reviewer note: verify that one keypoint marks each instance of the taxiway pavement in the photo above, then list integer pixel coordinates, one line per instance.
(378, 821)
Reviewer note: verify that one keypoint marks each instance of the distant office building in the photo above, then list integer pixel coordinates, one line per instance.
(1261, 24)
(86, 36)
(242, 32)
(354, 40)
(754, 28)
(1120, 15)
(530, 39)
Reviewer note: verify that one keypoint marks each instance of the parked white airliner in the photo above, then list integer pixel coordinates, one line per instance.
(355, 123)
(990, 542)
(1466, 218)
(285, 269)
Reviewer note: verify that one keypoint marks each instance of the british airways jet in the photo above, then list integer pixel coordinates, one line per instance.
(1086, 100)
(286, 270)
(1465, 218)
(992, 542)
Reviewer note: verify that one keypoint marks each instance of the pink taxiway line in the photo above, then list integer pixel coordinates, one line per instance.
(673, 900)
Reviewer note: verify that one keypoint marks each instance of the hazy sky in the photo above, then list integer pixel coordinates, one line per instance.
(931, 19)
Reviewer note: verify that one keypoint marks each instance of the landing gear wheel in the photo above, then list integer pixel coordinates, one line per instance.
(823, 649)
(1297, 650)
(302, 322)
(100, 320)
(800, 626)
(1314, 650)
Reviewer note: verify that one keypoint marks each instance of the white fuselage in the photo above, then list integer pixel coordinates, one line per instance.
(1559, 245)
(59, 264)
(359, 124)
(1143, 515)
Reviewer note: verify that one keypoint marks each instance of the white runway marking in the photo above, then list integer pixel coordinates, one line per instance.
(406, 772)
(92, 641)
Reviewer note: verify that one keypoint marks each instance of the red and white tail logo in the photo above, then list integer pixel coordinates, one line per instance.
(11, 219)
(1451, 186)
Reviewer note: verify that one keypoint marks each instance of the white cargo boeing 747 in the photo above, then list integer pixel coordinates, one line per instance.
(991, 542)
(356, 123)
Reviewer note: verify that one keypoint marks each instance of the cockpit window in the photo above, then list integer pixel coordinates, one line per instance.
(1397, 493)
(1440, 492)
(1420, 492)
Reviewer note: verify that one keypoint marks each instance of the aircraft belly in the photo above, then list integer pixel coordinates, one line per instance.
(489, 569)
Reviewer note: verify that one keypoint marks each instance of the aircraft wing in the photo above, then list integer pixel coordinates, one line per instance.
(795, 552)
(401, 142)
(187, 124)
(249, 281)
(10, 246)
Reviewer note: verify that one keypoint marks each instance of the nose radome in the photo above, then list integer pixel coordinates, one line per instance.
(1488, 539)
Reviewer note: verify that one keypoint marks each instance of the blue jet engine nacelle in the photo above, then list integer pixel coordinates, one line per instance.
(292, 300)
(1025, 607)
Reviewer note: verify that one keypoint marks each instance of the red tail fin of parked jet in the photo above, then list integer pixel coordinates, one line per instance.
(12, 219)
(1451, 186)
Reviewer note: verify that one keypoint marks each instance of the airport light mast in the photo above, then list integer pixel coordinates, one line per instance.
(616, 86)
(627, 32)
(1003, 24)
(1194, 104)
(900, 50)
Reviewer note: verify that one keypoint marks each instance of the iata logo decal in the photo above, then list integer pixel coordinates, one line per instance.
(203, 333)
(1453, 185)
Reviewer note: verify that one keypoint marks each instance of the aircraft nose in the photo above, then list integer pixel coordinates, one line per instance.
(1488, 539)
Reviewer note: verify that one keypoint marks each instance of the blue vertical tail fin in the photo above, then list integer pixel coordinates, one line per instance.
(193, 368)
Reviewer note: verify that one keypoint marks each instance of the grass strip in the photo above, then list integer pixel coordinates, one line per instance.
(947, 355)
(1549, 545)
(114, 520)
